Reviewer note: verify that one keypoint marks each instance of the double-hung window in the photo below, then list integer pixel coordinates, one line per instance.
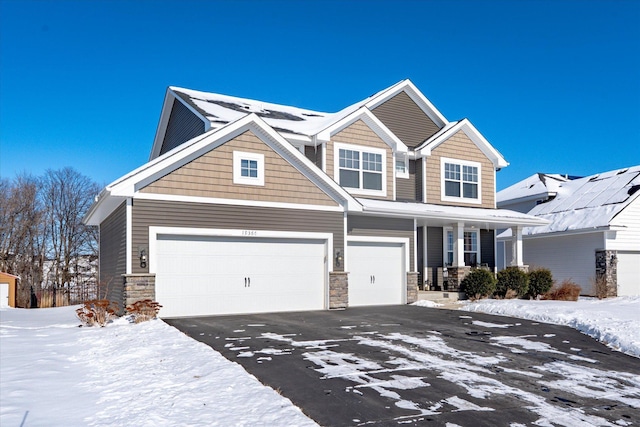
(460, 180)
(248, 168)
(470, 243)
(361, 168)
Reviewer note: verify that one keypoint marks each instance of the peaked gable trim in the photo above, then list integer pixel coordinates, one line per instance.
(370, 120)
(474, 135)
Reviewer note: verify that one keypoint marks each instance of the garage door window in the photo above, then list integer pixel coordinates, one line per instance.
(248, 168)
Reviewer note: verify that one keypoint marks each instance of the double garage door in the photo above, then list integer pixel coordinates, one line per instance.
(214, 275)
(201, 275)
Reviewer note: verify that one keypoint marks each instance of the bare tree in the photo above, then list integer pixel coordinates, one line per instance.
(67, 196)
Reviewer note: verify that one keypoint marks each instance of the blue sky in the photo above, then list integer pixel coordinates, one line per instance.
(553, 85)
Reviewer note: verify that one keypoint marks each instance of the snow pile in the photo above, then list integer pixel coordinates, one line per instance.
(612, 321)
(55, 373)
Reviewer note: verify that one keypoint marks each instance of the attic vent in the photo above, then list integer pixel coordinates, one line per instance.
(312, 115)
(633, 189)
(594, 178)
(622, 171)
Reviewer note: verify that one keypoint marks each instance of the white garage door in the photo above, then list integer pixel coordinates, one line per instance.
(628, 273)
(4, 295)
(197, 275)
(376, 273)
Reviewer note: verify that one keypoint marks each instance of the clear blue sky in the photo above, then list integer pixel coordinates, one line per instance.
(553, 85)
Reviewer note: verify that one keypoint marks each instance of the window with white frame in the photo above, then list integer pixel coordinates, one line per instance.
(402, 165)
(361, 168)
(470, 243)
(248, 168)
(460, 180)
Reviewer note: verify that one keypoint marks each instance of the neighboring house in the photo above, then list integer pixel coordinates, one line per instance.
(8, 289)
(247, 206)
(594, 229)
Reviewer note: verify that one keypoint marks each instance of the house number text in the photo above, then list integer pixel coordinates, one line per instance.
(249, 233)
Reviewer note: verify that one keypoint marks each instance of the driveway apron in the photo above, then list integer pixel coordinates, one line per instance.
(408, 365)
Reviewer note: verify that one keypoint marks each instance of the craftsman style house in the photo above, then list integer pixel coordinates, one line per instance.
(247, 206)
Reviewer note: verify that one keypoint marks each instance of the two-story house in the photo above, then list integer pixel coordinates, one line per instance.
(247, 206)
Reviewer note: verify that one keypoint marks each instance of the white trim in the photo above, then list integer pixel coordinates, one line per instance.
(154, 231)
(238, 157)
(415, 244)
(129, 237)
(337, 146)
(461, 199)
(424, 180)
(236, 202)
(404, 174)
(405, 241)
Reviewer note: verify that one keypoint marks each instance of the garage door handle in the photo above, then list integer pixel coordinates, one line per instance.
(374, 279)
(249, 281)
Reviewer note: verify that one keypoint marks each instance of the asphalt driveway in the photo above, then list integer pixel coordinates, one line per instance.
(399, 365)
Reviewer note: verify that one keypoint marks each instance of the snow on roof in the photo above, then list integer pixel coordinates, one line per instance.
(484, 217)
(589, 202)
(539, 184)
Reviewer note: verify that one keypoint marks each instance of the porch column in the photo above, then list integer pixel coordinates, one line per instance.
(516, 247)
(458, 245)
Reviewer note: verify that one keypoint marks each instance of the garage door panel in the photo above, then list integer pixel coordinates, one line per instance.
(628, 271)
(376, 273)
(199, 275)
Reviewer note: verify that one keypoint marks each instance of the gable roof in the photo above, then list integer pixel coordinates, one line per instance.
(217, 110)
(587, 203)
(539, 185)
(128, 186)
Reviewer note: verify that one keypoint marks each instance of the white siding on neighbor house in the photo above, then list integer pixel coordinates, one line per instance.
(627, 239)
(568, 257)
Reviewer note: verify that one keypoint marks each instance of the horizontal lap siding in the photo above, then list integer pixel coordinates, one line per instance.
(211, 175)
(181, 127)
(360, 134)
(419, 183)
(406, 187)
(459, 147)
(113, 252)
(314, 154)
(406, 120)
(383, 227)
(148, 213)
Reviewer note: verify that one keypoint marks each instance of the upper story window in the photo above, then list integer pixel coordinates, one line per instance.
(361, 168)
(402, 165)
(248, 168)
(460, 181)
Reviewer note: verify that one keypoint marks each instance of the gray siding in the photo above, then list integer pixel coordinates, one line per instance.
(200, 215)
(434, 247)
(181, 127)
(314, 154)
(487, 248)
(419, 183)
(113, 257)
(406, 120)
(383, 227)
(406, 187)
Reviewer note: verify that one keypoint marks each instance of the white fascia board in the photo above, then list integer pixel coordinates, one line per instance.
(414, 93)
(372, 121)
(473, 134)
(297, 139)
(507, 235)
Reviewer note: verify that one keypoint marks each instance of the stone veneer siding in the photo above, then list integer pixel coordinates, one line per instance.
(455, 277)
(137, 287)
(338, 289)
(412, 287)
(607, 270)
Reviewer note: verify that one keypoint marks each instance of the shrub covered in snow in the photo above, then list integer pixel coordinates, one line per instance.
(540, 281)
(566, 291)
(97, 312)
(143, 310)
(478, 284)
(512, 278)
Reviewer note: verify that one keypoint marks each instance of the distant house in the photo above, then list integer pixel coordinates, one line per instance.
(8, 289)
(594, 228)
(247, 206)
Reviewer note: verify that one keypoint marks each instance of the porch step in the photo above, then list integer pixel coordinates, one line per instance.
(441, 297)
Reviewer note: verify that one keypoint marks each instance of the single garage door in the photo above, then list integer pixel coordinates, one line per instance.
(628, 273)
(4, 295)
(376, 273)
(199, 275)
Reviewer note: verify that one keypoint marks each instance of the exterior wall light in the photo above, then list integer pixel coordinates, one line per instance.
(143, 258)
(338, 258)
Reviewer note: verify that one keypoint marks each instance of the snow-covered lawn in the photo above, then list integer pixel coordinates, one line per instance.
(54, 373)
(613, 321)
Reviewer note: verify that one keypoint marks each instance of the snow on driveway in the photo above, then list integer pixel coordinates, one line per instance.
(54, 373)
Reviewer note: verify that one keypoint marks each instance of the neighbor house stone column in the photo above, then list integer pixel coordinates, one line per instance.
(338, 289)
(455, 277)
(412, 287)
(138, 287)
(607, 271)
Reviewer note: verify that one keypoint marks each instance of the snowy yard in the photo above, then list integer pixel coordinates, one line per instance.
(54, 373)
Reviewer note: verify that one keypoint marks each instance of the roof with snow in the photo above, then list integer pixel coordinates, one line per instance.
(588, 203)
(536, 186)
